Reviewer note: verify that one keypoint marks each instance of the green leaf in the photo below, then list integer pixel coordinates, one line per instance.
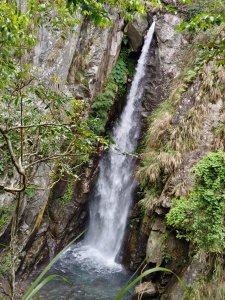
(47, 268)
(43, 283)
(146, 273)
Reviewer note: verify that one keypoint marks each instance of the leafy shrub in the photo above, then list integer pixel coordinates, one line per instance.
(119, 72)
(200, 218)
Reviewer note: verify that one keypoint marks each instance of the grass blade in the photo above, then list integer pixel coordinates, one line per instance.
(157, 269)
(44, 282)
(46, 269)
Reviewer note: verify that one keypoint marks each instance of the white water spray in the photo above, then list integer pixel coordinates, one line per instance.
(115, 185)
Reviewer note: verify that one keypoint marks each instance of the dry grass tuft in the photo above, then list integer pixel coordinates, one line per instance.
(158, 130)
(149, 202)
(176, 128)
(219, 135)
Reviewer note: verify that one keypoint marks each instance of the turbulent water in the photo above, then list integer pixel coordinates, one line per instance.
(94, 261)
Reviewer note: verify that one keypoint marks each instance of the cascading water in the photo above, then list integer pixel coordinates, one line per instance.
(113, 192)
(93, 261)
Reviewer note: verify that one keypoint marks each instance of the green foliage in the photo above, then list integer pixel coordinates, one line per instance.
(30, 191)
(190, 76)
(207, 16)
(115, 88)
(178, 217)
(4, 158)
(15, 38)
(101, 107)
(42, 13)
(202, 21)
(200, 218)
(135, 221)
(119, 72)
(98, 12)
(70, 133)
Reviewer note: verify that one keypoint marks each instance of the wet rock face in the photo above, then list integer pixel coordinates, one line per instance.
(80, 58)
(170, 43)
(154, 91)
(95, 55)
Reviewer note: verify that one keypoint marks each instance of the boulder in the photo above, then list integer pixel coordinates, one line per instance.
(136, 31)
(154, 248)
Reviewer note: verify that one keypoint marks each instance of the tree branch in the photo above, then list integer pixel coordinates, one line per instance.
(52, 157)
(21, 86)
(19, 168)
(39, 125)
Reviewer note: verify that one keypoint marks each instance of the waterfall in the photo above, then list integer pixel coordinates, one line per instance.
(115, 184)
(93, 261)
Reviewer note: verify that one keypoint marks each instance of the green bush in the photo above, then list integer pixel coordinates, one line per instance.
(200, 218)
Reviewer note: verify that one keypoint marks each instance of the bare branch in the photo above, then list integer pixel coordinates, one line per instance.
(39, 125)
(16, 163)
(14, 189)
(53, 157)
